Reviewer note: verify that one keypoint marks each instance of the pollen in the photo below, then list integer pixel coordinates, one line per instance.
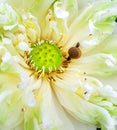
(45, 57)
(79, 91)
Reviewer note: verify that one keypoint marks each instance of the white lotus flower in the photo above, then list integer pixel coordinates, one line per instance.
(50, 55)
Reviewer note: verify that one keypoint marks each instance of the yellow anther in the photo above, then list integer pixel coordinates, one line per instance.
(64, 36)
(79, 91)
(29, 24)
(36, 94)
(17, 41)
(80, 75)
(38, 97)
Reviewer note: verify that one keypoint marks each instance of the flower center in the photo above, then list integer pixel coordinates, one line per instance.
(45, 57)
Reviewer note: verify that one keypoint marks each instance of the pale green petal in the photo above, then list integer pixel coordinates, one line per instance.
(19, 4)
(88, 25)
(10, 101)
(100, 64)
(5, 76)
(72, 7)
(102, 60)
(55, 23)
(110, 47)
(8, 46)
(104, 96)
(18, 41)
(31, 27)
(107, 46)
(9, 62)
(8, 17)
(39, 7)
(15, 96)
(81, 109)
(47, 114)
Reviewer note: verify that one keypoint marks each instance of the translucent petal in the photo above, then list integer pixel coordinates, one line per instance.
(8, 17)
(90, 24)
(47, 114)
(101, 61)
(10, 101)
(19, 4)
(81, 109)
(39, 8)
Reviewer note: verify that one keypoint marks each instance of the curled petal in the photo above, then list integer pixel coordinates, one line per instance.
(47, 114)
(82, 109)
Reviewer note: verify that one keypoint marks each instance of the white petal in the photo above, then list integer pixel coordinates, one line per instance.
(90, 43)
(4, 94)
(52, 115)
(23, 46)
(31, 100)
(98, 64)
(81, 109)
(6, 57)
(59, 11)
(7, 41)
